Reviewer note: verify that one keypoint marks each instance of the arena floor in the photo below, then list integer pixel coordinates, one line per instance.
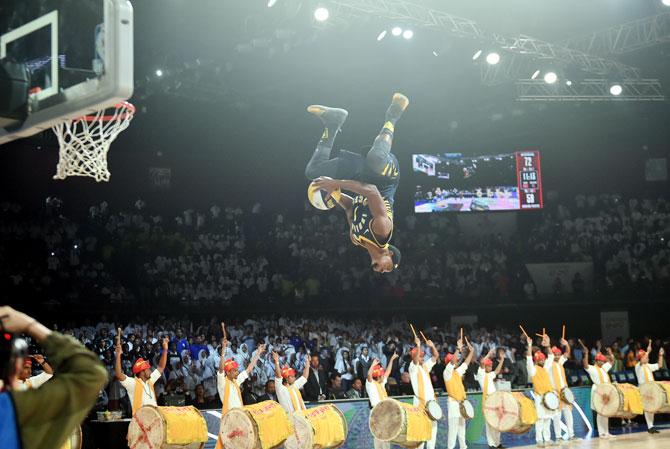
(635, 440)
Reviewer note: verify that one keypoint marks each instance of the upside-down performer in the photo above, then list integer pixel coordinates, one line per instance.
(373, 181)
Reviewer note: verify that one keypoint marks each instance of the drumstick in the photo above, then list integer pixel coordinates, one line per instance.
(461, 335)
(544, 332)
(539, 335)
(413, 331)
(563, 337)
(524, 331)
(424, 337)
(118, 336)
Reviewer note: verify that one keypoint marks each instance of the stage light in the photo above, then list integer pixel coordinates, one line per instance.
(271, 3)
(381, 36)
(396, 31)
(159, 73)
(535, 74)
(493, 58)
(408, 34)
(321, 14)
(550, 78)
(568, 83)
(476, 55)
(616, 89)
(666, 2)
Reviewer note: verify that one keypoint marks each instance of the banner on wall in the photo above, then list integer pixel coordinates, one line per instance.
(614, 324)
(553, 277)
(357, 413)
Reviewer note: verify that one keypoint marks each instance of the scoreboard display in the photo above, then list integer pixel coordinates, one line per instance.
(451, 182)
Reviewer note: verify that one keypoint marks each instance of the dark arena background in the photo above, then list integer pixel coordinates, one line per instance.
(532, 198)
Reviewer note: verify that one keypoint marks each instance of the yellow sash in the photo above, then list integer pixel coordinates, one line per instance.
(541, 382)
(648, 377)
(559, 374)
(296, 398)
(381, 391)
(455, 388)
(139, 389)
(485, 388)
(603, 378)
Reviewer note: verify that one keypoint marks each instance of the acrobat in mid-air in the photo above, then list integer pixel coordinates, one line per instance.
(372, 180)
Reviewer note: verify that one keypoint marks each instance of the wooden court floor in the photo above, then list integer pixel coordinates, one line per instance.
(636, 440)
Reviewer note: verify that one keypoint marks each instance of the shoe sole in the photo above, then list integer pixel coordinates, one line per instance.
(401, 100)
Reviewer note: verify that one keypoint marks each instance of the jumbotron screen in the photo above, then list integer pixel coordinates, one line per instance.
(450, 182)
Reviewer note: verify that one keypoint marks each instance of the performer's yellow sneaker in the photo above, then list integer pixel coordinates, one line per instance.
(331, 117)
(401, 100)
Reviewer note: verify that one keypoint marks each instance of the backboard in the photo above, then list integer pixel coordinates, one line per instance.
(79, 54)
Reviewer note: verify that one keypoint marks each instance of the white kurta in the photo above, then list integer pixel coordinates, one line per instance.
(373, 394)
(422, 370)
(234, 401)
(284, 393)
(644, 372)
(453, 406)
(35, 381)
(148, 397)
(542, 411)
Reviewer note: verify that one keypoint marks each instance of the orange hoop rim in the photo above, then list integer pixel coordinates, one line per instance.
(130, 111)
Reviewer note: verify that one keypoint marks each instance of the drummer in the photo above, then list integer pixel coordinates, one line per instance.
(25, 381)
(419, 375)
(559, 382)
(229, 379)
(453, 380)
(288, 387)
(645, 373)
(539, 374)
(375, 386)
(599, 375)
(486, 377)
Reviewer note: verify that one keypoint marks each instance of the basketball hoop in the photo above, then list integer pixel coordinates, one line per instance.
(84, 141)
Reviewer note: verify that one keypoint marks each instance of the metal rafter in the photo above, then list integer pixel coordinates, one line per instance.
(589, 90)
(624, 38)
(521, 46)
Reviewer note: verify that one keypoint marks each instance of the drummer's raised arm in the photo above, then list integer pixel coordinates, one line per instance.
(568, 351)
(585, 355)
(416, 355)
(434, 353)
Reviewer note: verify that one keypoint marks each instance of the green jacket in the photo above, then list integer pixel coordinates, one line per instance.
(47, 415)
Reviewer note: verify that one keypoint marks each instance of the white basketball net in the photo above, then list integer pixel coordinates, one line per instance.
(84, 142)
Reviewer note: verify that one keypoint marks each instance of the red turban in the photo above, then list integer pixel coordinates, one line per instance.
(287, 371)
(448, 358)
(487, 362)
(140, 365)
(27, 363)
(641, 353)
(377, 371)
(556, 351)
(413, 353)
(230, 365)
(600, 358)
(539, 355)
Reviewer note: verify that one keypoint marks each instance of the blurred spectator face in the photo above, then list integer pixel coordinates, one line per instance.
(337, 382)
(314, 362)
(404, 378)
(357, 385)
(270, 387)
(365, 351)
(199, 391)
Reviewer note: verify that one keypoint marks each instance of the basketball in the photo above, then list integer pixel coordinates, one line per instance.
(319, 198)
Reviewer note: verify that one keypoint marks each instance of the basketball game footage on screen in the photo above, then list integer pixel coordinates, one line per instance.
(451, 182)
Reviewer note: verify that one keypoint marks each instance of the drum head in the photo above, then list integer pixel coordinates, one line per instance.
(147, 429)
(551, 400)
(303, 436)
(434, 410)
(387, 419)
(502, 411)
(654, 397)
(606, 400)
(568, 395)
(468, 409)
(238, 431)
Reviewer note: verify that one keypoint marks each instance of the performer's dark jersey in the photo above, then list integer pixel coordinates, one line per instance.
(361, 222)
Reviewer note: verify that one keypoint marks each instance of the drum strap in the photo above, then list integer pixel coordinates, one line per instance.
(603, 378)
(485, 387)
(422, 387)
(559, 375)
(296, 398)
(138, 400)
(648, 377)
(381, 391)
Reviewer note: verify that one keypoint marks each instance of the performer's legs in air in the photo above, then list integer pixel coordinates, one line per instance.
(320, 164)
(379, 159)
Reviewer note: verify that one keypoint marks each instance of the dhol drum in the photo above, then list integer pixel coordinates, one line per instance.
(467, 409)
(434, 410)
(617, 400)
(509, 412)
(167, 428)
(319, 427)
(655, 397)
(567, 396)
(74, 440)
(260, 426)
(551, 401)
(400, 423)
